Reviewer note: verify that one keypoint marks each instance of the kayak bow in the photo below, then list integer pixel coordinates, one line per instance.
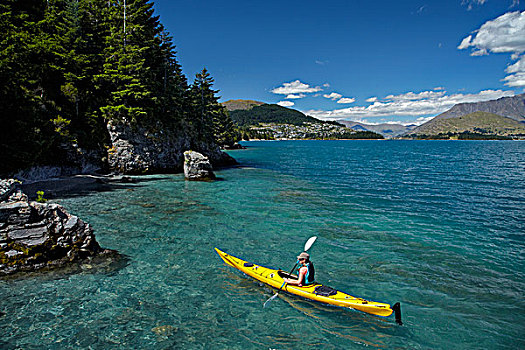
(274, 279)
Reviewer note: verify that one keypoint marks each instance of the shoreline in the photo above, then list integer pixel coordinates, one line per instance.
(384, 139)
(81, 184)
(314, 140)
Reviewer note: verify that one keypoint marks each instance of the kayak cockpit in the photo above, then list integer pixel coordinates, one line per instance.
(284, 274)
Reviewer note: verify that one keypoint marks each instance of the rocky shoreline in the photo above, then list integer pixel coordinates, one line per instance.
(40, 236)
(37, 236)
(139, 151)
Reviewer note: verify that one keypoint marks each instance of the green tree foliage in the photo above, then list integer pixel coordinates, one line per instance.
(68, 67)
(270, 113)
(29, 69)
(128, 63)
(210, 119)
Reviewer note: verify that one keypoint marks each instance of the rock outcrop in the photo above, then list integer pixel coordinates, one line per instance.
(236, 145)
(136, 150)
(197, 166)
(38, 235)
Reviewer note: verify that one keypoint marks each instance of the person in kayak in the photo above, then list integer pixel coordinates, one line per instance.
(306, 271)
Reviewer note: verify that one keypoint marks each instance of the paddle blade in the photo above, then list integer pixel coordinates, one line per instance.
(309, 243)
(271, 298)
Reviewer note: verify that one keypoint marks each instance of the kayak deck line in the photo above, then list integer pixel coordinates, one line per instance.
(274, 279)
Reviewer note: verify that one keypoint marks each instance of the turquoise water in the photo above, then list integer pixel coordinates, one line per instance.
(438, 226)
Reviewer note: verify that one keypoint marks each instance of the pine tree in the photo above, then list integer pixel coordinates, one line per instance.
(67, 67)
(210, 119)
(126, 75)
(224, 131)
(172, 85)
(28, 72)
(203, 103)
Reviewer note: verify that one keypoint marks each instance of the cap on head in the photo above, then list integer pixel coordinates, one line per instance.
(304, 255)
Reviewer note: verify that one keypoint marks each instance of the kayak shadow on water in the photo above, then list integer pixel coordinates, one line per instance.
(320, 311)
(353, 325)
(341, 322)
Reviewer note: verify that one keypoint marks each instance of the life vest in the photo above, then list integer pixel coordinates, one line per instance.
(309, 277)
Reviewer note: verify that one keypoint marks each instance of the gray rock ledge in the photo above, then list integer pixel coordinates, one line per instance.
(36, 235)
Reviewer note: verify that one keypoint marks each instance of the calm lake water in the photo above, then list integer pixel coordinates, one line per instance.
(436, 225)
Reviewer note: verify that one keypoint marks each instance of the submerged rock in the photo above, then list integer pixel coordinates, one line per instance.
(165, 330)
(197, 166)
(36, 235)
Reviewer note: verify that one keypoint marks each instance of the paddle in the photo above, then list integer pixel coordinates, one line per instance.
(307, 246)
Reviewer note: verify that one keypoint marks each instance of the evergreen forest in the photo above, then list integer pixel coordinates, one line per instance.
(70, 67)
(272, 113)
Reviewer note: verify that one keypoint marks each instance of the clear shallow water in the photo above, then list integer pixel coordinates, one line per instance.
(438, 226)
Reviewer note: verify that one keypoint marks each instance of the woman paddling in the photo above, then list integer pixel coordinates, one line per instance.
(306, 271)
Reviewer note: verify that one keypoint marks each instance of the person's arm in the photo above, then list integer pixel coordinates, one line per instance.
(299, 280)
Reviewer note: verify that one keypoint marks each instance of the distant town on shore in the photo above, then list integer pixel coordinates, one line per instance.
(503, 118)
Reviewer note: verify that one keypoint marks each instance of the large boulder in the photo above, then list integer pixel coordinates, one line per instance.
(197, 166)
(36, 235)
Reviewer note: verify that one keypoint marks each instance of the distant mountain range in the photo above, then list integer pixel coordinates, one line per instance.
(482, 123)
(501, 117)
(504, 117)
(387, 130)
(510, 107)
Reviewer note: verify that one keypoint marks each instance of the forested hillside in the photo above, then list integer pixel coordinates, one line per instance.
(69, 68)
(269, 113)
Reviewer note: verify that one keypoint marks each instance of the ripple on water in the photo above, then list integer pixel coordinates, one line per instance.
(437, 226)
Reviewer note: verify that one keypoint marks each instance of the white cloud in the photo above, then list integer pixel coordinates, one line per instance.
(438, 88)
(516, 73)
(465, 42)
(346, 100)
(407, 105)
(293, 96)
(371, 99)
(333, 96)
(295, 87)
(471, 3)
(517, 67)
(285, 103)
(481, 52)
(505, 34)
(410, 96)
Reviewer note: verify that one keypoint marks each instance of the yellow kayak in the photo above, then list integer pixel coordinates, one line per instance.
(315, 291)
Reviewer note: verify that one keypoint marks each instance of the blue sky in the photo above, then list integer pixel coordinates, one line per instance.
(371, 61)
